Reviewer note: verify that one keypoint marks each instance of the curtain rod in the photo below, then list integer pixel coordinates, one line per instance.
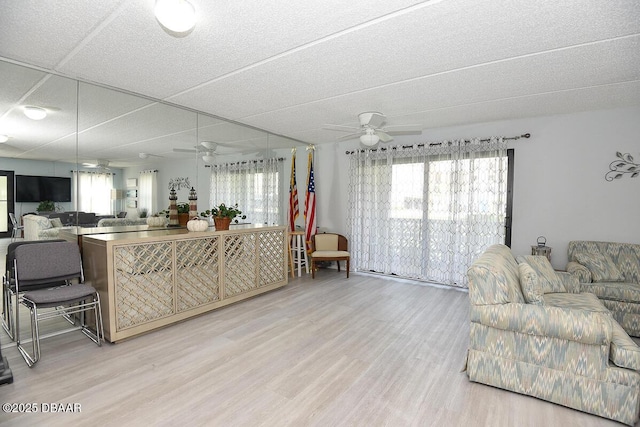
(435, 144)
(106, 173)
(149, 170)
(279, 159)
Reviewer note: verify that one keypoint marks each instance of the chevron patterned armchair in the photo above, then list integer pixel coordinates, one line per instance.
(533, 333)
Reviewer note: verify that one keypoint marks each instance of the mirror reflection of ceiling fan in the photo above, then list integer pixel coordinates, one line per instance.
(100, 164)
(371, 129)
(207, 149)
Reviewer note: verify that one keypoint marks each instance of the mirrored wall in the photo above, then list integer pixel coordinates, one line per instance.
(94, 131)
(90, 129)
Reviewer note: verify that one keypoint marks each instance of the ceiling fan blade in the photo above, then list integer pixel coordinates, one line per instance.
(403, 130)
(384, 137)
(375, 120)
(341, 128)
(350, 136)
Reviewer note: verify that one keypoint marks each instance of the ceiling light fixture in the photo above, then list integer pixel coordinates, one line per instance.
(370, 138)
(143, 155)
(35, 113)
(178, 16)
(3, 138)
(208, 158)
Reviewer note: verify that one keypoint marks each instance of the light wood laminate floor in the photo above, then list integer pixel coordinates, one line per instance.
(363, 351)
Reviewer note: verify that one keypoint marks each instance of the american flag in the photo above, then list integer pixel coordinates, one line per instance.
(310, 203)
(294, 210)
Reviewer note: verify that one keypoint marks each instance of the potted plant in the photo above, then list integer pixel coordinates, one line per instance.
(46, 206)
(183, 213)
(223, 215)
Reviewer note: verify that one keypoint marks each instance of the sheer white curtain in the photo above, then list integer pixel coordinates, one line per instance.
(93, 190)
(253, 185)
(148, 191)
(427, 212)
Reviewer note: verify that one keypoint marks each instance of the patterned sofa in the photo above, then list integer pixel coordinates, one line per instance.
(37, 227)
(532, 332)
(612, 272)
(115, 222)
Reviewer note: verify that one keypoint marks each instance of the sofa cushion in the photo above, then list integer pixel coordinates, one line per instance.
(617, 291)
(42, 221)
(55, 222)
(531, 290)
(582, 301)
(548, 279)
(626, 256)
(624, 352)
(601, 267)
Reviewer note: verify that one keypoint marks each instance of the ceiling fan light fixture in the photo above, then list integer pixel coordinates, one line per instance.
(208, 159)
(3, 139)
(369, 139)
(178, 16)
(35, 113)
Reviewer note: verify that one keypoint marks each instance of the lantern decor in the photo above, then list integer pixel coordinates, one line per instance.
(193, 204)
(173, 208)
(541, 248)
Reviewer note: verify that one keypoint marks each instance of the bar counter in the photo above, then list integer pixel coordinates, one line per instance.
(151, 279)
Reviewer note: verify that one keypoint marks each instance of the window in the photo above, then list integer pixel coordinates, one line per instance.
(254, 186)
(427, 213)
(93, 190)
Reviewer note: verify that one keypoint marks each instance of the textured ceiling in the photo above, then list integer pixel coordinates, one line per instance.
(290, 68)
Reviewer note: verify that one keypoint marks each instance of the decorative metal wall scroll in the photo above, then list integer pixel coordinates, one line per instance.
(622, 166)
(179, 183)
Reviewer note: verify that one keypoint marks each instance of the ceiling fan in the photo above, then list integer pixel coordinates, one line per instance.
(371, 129)
(145, 156)
(208, 150)
(101, 164)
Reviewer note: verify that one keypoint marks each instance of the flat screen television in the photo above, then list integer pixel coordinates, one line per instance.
(31, 188)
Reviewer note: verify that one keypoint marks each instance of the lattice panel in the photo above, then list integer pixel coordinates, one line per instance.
(143, 283)
(240, 263)
(271, 257)
(197, 272)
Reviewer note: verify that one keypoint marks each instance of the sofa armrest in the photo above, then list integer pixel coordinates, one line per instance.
(570, 282)
(563, 323)
(580, 271)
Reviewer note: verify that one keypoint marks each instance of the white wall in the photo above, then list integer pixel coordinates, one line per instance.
(198, 178)
(559, 186)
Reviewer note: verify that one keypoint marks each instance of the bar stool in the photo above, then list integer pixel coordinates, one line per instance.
(299, 250)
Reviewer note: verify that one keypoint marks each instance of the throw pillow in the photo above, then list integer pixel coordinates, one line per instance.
(601, 267)
(548, 279)
(56, 222)
(530, 285)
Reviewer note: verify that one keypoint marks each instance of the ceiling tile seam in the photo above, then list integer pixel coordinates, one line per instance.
(92, 34)
(529, 95)
(35, 87)
(489, 101)
(453, 70)
(308, 45)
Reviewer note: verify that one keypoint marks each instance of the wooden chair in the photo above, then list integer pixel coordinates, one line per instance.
(329, 247)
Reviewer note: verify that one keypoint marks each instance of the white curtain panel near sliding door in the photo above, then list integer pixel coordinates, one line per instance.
(427, 211)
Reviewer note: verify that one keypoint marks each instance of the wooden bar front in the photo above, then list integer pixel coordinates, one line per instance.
(150, 280)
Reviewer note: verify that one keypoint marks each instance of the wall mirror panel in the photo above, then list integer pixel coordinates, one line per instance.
(95, 131)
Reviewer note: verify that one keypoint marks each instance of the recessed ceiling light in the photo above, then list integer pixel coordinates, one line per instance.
(3, 138)
(35, 113)
(178, 16)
